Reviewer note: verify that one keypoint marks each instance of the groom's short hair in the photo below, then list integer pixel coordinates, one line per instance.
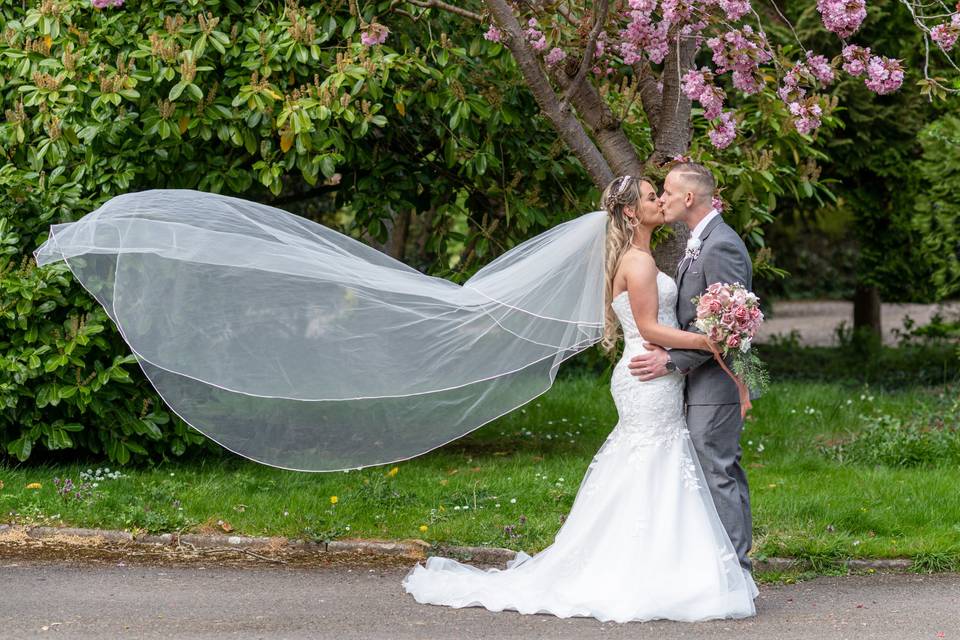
(697, 176)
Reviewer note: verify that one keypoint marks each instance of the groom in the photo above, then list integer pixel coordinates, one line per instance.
(715, 253)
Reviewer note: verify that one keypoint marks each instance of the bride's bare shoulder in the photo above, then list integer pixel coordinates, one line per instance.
(638, 266)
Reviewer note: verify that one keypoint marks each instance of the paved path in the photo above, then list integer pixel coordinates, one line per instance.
(118, 599)
(817, 321)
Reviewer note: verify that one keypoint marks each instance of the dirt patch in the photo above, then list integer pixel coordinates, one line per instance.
(16, 546)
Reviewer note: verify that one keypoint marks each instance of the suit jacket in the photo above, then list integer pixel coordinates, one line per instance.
(723, 258)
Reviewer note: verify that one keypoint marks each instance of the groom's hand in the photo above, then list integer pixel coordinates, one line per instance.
(650, 365)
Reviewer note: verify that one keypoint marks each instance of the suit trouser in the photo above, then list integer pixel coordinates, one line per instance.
(715, 432)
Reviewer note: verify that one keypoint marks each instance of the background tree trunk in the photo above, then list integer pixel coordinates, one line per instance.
(866, 310)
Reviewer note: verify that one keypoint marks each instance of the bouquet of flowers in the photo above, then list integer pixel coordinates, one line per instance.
(730, 316)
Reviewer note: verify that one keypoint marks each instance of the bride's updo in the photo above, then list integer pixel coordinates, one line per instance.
(621, 192)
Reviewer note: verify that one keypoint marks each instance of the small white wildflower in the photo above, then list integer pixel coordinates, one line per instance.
(497, 505)
(513, 501)
(760, 448)
(456, 508)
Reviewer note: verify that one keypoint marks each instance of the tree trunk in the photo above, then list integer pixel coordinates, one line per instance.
(563, 120)
(866, 310)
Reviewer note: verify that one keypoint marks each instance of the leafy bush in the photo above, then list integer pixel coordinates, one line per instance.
(263, 100)
(66, 379)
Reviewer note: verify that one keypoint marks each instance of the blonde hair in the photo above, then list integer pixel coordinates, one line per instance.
(621, 192)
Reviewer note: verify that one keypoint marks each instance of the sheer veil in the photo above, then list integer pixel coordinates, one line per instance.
(299, 347)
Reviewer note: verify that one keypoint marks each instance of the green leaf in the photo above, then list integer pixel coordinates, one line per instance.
(177, 89)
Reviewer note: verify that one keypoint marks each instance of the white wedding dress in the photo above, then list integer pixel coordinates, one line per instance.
(642, 541)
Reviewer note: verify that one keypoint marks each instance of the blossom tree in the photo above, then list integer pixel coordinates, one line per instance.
(682, 59)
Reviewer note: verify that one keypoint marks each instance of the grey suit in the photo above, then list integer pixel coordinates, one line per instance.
(713, 406)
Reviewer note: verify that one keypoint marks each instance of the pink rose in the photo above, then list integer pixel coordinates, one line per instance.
(716, 334)
(742, 314)
(733, 341)
(714, 306)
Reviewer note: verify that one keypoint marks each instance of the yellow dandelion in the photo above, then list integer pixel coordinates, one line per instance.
(393, 471)
(334, 499)
(423, 528)
(34, 485)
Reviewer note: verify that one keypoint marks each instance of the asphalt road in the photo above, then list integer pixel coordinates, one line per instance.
(117, 599)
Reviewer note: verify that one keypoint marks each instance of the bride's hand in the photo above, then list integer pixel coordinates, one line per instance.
(708, 344)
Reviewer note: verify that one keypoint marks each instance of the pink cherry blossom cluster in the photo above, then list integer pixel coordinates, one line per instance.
(534, 36)
(724, 130)
(884, 75)
(741, 51)
(493, 34)
(104, 4)
(697, 85)
(735, 9)
(644, 36)
(729, 315)
(843, 17)
(555, 56)
(946, 34)
(806, 111)
(806, 115)
(374, 34)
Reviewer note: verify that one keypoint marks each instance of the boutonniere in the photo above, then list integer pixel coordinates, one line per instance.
(693, 248)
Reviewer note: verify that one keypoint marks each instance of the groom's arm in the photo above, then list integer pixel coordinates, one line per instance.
(727, 262)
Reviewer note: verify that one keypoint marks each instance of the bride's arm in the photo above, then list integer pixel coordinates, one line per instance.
(645, 302)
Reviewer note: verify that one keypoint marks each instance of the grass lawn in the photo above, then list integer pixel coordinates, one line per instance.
(511, 482)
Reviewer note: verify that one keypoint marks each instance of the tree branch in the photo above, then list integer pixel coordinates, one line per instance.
(674, 129)
(437, 4)
(599, 22)
(597, 116)
(570, 129)
(649, 94)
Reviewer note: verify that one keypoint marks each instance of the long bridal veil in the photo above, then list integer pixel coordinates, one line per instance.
(298, 347)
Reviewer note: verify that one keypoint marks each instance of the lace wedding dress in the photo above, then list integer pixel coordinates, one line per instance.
(643, 539)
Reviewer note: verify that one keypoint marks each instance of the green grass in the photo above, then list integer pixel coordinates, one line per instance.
(529, 464)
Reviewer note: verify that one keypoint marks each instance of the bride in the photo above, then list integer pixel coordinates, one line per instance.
(643, 540)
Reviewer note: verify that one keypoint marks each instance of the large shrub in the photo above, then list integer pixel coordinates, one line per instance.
(272, 101)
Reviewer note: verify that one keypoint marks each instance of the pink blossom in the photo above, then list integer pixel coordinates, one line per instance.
(724, 131)
(534, 36)
(643, 35)
(733, 341)
(740, 50)
(945, 35)
(806, 115)
(843, 17)
(493, 34)
(103, 4)
(555, 56)
(374, 34)
(735, 9)
(855, 59)
(717, 204)
(820, 68)
(884, 75)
